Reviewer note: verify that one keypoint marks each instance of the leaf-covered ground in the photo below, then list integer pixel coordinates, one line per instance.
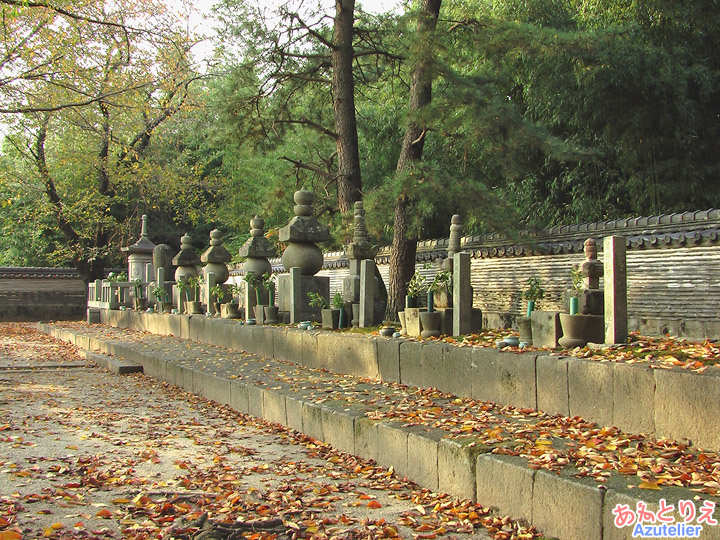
(89, 454)
(658, 352)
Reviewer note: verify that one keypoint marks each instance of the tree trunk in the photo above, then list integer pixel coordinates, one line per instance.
(404, 244)
(349, 182)
(72, 238)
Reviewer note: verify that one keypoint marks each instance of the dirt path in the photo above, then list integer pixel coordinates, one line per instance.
(89, 454)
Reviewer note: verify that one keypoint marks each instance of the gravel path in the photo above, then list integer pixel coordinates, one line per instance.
(85, 453)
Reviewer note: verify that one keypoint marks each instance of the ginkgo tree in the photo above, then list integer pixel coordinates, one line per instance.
(84, 89)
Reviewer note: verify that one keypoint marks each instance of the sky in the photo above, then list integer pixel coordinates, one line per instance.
(202, 8)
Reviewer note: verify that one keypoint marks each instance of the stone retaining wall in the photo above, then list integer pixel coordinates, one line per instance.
(661, 402)
(42, 298)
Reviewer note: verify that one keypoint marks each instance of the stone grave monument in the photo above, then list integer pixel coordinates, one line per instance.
(215, 270)
(358, 250)
(140, 256)
(162, 264)
(302, 258)
(186, 264)
(590, 303)
(257, 249)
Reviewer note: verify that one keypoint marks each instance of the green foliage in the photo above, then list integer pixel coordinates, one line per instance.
(441, 282)
(577, 281)
(338, 302)
(317, 300)
(416, 286)
(534, 291)
(160, 293)
(218, 291)
(194, 284)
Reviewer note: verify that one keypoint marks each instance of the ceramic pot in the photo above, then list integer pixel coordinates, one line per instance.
(430, 321)
(403, 329)
(525, 328)
(387, 331)
(330, 318)
(194, 307)
(271, 314)
(229, 311)
(578, 330)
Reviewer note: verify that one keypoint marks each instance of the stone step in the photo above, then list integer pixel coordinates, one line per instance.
(362, 417)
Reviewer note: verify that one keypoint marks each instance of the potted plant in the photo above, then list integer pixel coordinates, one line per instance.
(330, 315)
(182, 288)
(578, 329)
(318, 301)
(430, 319)
(533, 293)
(257, 284)
(194, 307)
(228, 309)
(271, 310)
(442, 289)
(162, 297)
(415, 288)
(140, 302)
(218, 292)
(577, 289)
(339, 304)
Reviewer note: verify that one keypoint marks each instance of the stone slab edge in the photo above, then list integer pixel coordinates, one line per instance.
(483, 466)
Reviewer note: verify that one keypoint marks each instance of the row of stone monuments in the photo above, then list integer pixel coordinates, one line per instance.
(363, 289)
(364, 297)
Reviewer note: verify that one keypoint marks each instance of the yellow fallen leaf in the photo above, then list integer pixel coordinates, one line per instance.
(648, 485)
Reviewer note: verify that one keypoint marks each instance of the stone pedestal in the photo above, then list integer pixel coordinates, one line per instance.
(300, 289)
(412, 321)
(186, 263)
(546, 330)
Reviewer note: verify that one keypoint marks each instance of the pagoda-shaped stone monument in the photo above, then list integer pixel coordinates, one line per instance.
(257, 249)
(302, 258)
(140, 256)
(591, 300)
(186, 264)
(186, 261)
(215, 270)
(356, 251)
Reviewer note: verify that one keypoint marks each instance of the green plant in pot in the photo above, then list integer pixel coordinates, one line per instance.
(218, 292)
(439, 290)
(330, 317)
(271, 310)
(431, 319)
(194, 306)
(162, 297)
(268, 283)
(533, 293)
(339, 304)
(416, 287)
(139, 301)
(579, 329)
(182, 289)
(577, 289)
